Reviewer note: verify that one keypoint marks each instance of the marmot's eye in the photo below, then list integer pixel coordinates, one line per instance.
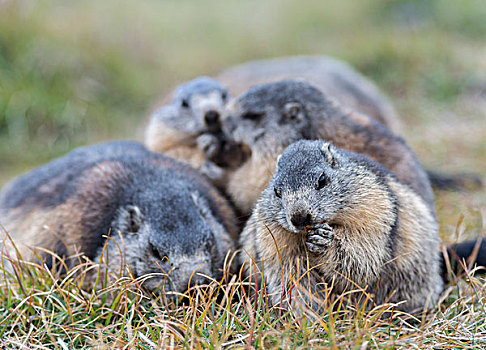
(293, 112)
(323, 181)
(252, 116)
(278, 192)
(155, 252)
(185, 103)
(224, 96)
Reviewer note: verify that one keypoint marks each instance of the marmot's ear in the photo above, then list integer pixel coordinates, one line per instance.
(129, 220)
(134, 218)
(225, 96)
(294, 111)
(329, 154)
(278, 159)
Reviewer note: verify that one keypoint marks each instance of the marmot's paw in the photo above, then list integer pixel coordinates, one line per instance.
(212, 171)
(209, 144)
(319, 237)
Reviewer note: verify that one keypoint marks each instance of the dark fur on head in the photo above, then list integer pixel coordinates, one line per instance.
(172, 221)
(321, 185)
(198, 86)
(286, 107)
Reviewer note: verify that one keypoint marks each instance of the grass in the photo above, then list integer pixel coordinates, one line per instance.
(74, 73)
(41, 309)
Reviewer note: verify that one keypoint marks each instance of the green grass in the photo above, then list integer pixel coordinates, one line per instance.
(74, 73)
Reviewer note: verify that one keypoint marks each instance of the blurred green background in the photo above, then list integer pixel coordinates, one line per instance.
(77, 72)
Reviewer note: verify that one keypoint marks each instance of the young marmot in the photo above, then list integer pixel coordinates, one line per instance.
(195, 110)
(335, 218)
(162, 216)
(268, 118)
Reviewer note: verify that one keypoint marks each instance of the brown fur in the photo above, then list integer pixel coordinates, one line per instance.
(161, 138)
(336, 79)
(47, 227)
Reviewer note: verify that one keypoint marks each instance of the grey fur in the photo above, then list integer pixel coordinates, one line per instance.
(198, 86)
(333, 77)
(362, 229)
(171, 220)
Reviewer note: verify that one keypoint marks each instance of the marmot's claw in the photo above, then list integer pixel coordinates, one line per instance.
(209, 144)
(319, 237)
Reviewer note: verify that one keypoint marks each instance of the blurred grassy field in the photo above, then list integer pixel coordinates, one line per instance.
(77, 72)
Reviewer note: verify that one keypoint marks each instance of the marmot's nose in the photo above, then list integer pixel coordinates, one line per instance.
(301, 220)
(211, 118)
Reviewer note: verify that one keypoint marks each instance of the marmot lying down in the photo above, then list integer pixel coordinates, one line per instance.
(188, 118)
(189, 127)
(333, 77)
(171, 220)
(340, 82)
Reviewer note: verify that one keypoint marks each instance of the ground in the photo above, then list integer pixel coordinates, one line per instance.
(74, 73)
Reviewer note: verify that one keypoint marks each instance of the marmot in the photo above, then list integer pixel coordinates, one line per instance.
(187, 122)
(195, 110)
(189, 129)
(333, 77)
(171, 220)
(336, 217)
(267, 118)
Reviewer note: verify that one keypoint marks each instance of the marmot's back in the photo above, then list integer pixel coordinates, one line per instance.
(333, 77)
(49, 184)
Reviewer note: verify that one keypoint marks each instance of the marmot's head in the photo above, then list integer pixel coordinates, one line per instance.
(195, 108)
(274, 114)
(167, 228)
(317, 183)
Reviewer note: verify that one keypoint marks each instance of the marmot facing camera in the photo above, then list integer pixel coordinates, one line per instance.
(338, 218)
(194, 110)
